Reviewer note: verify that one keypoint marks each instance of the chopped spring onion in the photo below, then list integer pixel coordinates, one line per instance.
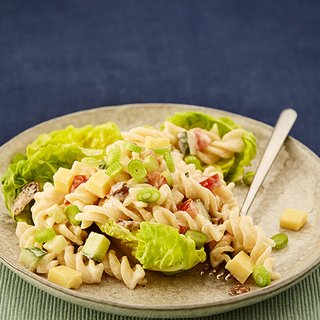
(183, 142)
(169, 161)
(198, 237)
(161, 151)
(280, 240)
(151, 163)
(113, 155)
(132, 146)
(148, 195)
(114, 169)
(193, 159)
(71, 212)
(168, 177)
(44, 234)
(37, 251)
(248, 177)
(137, 170)
(261, 276)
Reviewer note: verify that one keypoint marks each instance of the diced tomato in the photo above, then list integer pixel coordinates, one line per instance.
(190, 207)
(77, 180)
(156, 179)
(202, 139)
(183, 229)
(211, 182)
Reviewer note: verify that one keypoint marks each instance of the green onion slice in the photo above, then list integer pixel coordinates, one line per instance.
(148, 195)
(198, 237)
(44, 234)
(261, 276)
(161, 151)
(168, 177)
(132, 146)
(114, 169)
(151, 163)
(248, 177)
(137, 169)
(194, 160)
(71, 212)
(280, 240)
(169, 161)
(113, 155)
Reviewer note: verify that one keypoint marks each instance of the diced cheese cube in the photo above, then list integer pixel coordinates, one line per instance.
(240, 266)
(293, 219)
(65, 277)
(99, 184)
(153, 143)
(63, 180)
(80, 168)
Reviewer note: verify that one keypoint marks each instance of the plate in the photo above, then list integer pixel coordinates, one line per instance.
(292, 182)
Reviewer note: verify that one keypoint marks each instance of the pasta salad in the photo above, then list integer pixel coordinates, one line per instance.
(96, 200)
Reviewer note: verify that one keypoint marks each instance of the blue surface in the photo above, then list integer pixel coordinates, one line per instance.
(248, 57)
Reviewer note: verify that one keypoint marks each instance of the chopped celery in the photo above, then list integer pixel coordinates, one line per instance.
(148, 195)
(114, 169)
(280, 240)
(193, 159)
(198, 237)
(132, 146)
(44, 234)
(96, 246)
(169, 161)
(71, 212)
(137, 170)
(113, 155)
(151, 163)
(261, 276)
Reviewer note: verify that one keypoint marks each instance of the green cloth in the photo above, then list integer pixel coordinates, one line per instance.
(20, 300)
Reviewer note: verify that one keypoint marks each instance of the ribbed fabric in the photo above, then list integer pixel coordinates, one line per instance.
(22, 301)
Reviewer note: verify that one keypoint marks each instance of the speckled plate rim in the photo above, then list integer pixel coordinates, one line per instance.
(158, 312)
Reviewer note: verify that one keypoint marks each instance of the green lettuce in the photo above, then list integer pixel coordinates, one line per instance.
(161, 248)
(96, 137)
(49, 152)
(126, 238)
(233, 168)
(157, 247)
(40, 167)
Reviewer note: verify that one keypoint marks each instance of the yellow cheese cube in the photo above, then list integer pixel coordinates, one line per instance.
(80, 168)
(240, 266)
(99, 184)
(65, 277)
(293, 219)
(154, 143)
(63, 179)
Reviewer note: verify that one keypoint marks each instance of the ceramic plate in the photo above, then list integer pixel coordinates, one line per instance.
(292, 182)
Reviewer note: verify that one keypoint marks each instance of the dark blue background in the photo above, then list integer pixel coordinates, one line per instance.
(248, 57)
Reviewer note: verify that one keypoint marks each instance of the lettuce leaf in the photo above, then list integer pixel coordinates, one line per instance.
(49, 152)
(161, 248)
(40, 167)
(113, 229)
(96, 137)
(233, 168)
(244, 158)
